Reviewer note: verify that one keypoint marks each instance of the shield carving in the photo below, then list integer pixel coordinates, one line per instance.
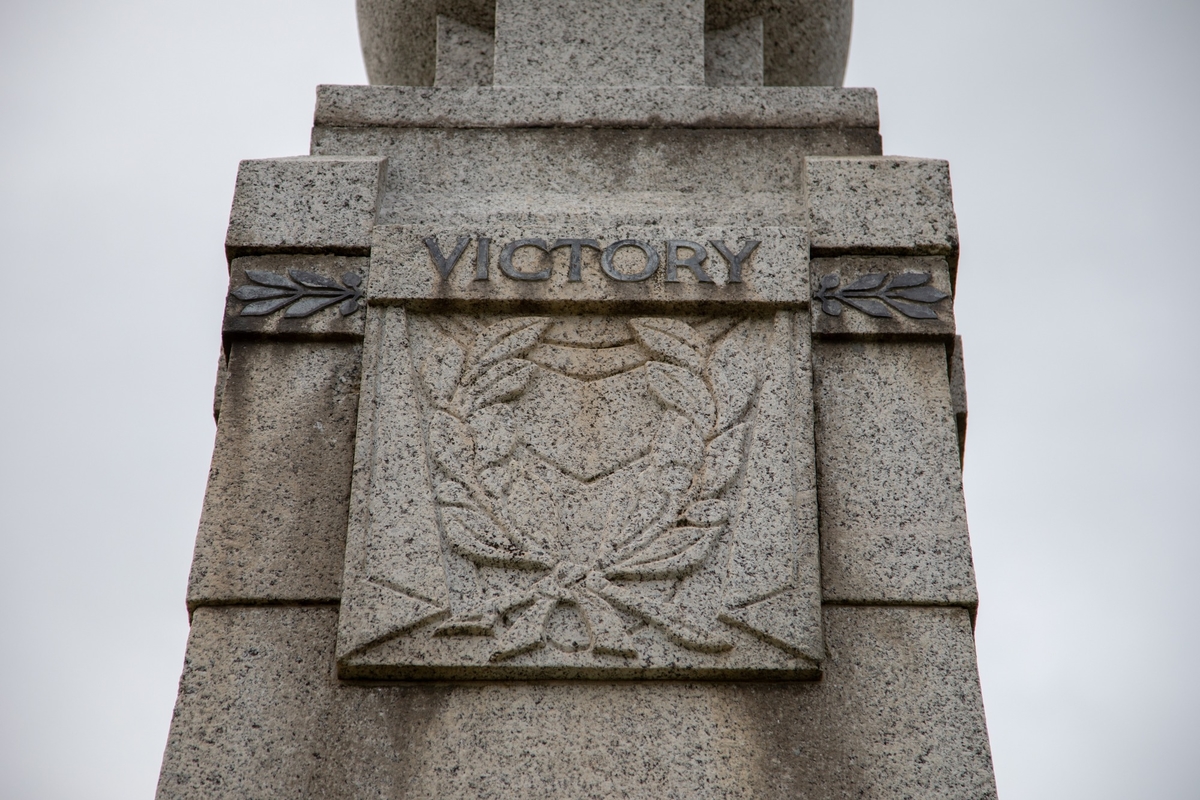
(591, 495)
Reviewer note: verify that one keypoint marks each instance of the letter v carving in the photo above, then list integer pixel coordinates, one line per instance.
(446, 265)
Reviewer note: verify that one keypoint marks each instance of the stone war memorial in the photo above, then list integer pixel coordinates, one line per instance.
(590, 425)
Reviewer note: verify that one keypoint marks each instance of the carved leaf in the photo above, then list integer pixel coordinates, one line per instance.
(869, 306)
(502, 382)
(505, 339)
(920, 294)
(270, 279)
(481, 530)
(707, 512)
(451, 493)
(722, 459)
(913, 310)
(494, 434)
(683, 391)
(909, 279)
(650, 502)
(250, 292)
(351, 279)
(441, 369)
(263, 307)
(479, 539)
(451, 444)
(670, 339)
(733, 377)
(495, 481)
(309, 305)
(830, 281)
(312, 280)
(678, 442)
(831, 307)
(527, 631)
(866, 282)
(348, 307)
(671, 555)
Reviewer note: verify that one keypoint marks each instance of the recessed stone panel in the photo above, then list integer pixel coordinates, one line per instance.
(571, 266)
(305, 295)
(880, 296)
(584, 495)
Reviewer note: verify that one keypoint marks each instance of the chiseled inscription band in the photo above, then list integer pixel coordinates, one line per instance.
(697, 255)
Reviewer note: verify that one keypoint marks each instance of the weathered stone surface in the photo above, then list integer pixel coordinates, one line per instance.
(583, 496)
(592, 265)
(286, 286)
(733, 56)
(958, 393)
(305, 203)
(877, 296)
(399, 37)
(599, 43)
(274, 521)
(805, 42)
(893, 522)
(596, 107)
(464, 54)
(880, 205)
(897, 714)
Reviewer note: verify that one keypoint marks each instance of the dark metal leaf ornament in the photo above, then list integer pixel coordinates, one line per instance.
(876, 296)
(303, 293)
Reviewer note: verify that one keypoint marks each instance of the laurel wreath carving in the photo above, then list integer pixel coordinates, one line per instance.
(908, 293)
(672, 525)
(304, 293)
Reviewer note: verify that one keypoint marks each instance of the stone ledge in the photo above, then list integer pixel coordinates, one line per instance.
(305, 204)
(880, 205)
(607, 107)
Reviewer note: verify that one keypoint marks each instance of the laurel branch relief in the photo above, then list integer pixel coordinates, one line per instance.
(667, 527)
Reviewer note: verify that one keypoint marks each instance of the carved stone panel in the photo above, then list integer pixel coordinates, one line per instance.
(583, 495)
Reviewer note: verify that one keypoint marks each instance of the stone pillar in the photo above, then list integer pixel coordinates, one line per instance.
(595, 433)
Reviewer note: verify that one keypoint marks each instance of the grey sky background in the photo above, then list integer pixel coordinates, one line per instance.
(1070, 128)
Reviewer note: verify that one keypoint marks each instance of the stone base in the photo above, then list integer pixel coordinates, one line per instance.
(260, 714)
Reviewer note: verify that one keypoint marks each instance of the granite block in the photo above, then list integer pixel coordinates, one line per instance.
(805, 42)
(260, 714)
(893, 520)
(733, 56)
(273, 525)
(880, 205)
(882, 296)
(465, 54)
(599, 43)
(596, 107)
(269, 293)
(308, 203)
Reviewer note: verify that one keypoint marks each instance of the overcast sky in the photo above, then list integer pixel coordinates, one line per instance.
(1070, 128)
